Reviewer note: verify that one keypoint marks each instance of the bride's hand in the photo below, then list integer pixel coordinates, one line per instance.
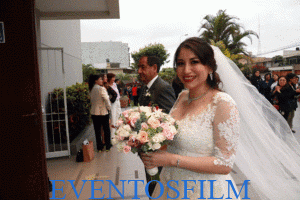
(156, 159)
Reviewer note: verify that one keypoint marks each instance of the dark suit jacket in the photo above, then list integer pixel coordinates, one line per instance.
(287, 100)
(162, 94)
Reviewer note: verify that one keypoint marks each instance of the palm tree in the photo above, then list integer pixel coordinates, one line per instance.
(237, 46)
(223, 27)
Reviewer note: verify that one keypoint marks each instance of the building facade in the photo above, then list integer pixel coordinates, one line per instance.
(109, 56)
(290, 63)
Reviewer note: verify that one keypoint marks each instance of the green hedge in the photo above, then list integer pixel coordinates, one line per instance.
(78, 104)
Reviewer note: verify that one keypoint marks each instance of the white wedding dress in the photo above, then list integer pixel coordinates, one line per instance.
(212, 132)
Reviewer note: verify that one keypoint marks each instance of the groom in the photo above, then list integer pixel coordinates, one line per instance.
(155, 91)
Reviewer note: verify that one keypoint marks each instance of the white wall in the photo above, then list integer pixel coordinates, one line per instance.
(98, 52)
(58, 33)
(66, 34)
(290, 53)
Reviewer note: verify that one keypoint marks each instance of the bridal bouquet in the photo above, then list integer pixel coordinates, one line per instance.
(144, 129)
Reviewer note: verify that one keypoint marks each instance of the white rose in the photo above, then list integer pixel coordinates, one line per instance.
(173, 129)
(150, 146)
(156, 146)
(114, 141)
(123, 132)
(147, 110)
(134, 115)
(158, 113)
(127, 127)
(171, 120)
(121, 145)
(148, 114)
(158, 138)
(134, 134)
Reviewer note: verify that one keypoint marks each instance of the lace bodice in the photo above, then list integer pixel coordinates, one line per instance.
(212, 132)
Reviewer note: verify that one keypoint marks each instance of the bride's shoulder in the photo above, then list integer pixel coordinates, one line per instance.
(183, 94)
(223, 96)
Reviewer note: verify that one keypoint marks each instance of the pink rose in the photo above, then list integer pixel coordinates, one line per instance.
(167, 131)
(143, 137)
(133, 121)
(168, 134)
(120, 122)
(144, 126)
(125, 113)
(164, 125)
(126, 149)
(153, 122)
(134, 116)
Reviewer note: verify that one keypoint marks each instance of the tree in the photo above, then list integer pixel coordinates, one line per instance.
(126, 77)
(157, 50)
(167, 74)
(279, 59)
(246, 70)
(87, 70)
(260, 68)
(223, 27)
(237, 46)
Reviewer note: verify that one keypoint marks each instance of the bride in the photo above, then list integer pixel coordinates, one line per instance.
(218, 129)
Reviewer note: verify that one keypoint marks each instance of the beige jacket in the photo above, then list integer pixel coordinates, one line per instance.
(99, 100)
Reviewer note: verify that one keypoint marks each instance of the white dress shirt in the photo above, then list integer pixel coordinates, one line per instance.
(151, 82)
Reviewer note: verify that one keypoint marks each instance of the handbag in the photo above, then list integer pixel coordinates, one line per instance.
(88, 152)
(112, 95)
(79, 156)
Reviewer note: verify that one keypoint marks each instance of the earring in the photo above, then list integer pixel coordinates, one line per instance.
(211, 76)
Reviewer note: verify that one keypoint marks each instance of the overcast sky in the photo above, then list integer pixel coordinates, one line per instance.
(167, 21)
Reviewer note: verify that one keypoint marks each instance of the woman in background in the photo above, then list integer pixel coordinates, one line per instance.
(115, 100)
(100, 110)
(287, 95)
(265, 87)
(256, 79)
(275, 83)
(276, 92)
(135, 95)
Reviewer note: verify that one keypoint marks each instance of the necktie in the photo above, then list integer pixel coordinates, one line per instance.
(145, 90)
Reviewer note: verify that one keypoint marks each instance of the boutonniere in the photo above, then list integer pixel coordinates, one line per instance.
(148, 97)
(148, 94)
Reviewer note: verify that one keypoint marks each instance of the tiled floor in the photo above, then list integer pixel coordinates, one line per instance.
(106, 166)
(113, 166)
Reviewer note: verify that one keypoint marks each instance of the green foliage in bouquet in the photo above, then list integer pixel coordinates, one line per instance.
(78, 105)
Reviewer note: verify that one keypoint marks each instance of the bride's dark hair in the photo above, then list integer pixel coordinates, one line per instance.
(205, 53)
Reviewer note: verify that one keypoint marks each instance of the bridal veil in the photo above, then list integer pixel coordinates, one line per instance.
(268, 153)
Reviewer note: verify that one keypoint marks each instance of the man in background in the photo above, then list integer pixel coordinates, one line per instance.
(155, 91)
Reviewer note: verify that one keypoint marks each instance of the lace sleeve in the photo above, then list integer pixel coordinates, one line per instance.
(226, 132)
